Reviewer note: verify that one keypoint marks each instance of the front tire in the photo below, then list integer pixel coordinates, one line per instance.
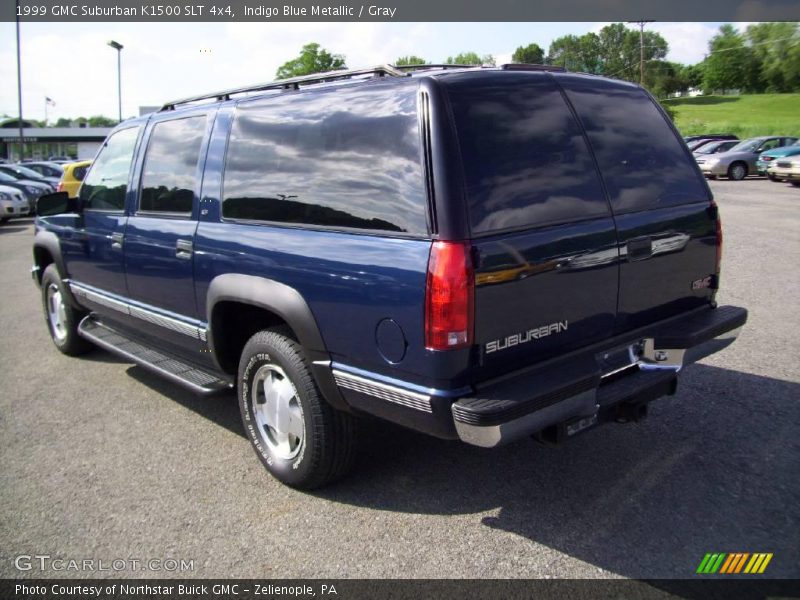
(297, 435)
(772, 177)
(61, 317)
(737, 171)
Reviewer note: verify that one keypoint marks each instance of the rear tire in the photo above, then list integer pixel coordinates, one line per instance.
(61, 317)
(737, 171)
(795, 183)
(4, 220)
(301, 440)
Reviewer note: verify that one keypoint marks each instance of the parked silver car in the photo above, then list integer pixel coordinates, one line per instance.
(740, 161)
(12, 203)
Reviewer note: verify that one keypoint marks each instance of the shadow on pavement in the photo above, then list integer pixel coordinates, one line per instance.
(713, 469)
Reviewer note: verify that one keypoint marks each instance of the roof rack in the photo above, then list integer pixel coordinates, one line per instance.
(293, 83)
(531, 67)
(422, 66)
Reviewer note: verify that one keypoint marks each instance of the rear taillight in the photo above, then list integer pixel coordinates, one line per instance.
(60, 187)
(449, 297)
(719, 239)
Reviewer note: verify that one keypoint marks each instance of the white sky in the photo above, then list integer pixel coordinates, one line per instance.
(71, 63)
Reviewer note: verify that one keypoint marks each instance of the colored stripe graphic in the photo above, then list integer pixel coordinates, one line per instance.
(734, 563)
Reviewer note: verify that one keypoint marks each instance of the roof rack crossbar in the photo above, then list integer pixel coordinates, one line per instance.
(292, 83)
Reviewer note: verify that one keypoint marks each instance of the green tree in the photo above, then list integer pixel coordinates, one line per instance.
(776, 47)
(411, 59)
(613, 52)
(531, 54)
(576, 53)
(101, 121)
(470, 58)
(730, 63)
(312, 59)
(62, 122)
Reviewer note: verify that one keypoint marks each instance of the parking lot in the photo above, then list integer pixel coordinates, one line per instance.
(101, 460)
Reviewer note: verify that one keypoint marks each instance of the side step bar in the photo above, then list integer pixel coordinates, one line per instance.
(177, 371)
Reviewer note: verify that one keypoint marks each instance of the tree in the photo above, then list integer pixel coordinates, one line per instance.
(576, 53)
(101, 121)
(312, 59)
(470, 58)
(775, 47)
(62, 122)
(613, 52)
(531, 54)
(730, 63)
(411, 59)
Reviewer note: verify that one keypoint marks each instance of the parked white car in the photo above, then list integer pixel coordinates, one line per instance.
(786, 169)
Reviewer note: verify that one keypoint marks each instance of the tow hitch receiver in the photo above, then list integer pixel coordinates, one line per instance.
(555, 435)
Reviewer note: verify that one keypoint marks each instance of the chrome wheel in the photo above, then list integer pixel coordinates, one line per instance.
(277, 412)
(56, 313)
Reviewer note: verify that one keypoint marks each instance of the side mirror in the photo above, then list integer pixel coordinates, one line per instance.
(55, 204)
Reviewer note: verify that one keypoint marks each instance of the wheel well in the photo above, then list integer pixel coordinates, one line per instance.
(233, 323)
(740, 162)
(42, 259)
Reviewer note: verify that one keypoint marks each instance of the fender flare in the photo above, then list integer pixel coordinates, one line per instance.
(287, 303)
(47, 240)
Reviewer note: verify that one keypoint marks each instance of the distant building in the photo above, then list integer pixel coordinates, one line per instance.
(43, 142)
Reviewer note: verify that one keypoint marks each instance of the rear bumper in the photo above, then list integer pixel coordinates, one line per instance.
(582, 389)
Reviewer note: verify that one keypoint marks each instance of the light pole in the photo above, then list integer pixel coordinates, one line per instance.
(118, 47)
(19, 92)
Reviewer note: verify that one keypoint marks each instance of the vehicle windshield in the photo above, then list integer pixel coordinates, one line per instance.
(708, 148)
(6, 178)
(747, 145)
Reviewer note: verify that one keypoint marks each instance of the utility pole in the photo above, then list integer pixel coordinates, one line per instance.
(641, 25)
(19, 92)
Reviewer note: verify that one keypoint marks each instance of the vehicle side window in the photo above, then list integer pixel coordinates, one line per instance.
(107, 181)
(169, 175)
(643, 163)
(769, 145)
(343, 158)
(79, 173)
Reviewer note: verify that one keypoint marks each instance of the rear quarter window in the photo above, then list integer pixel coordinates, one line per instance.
(643, 163)
(344, 158)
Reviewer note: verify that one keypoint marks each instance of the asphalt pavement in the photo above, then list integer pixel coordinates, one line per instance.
(102, 461)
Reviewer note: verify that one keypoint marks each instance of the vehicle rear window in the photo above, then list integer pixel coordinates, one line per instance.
(643, 163)
(525, 159)
(345, 158)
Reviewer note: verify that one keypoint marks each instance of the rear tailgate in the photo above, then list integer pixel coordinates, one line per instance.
(666, 222)
(567, 254)
(544, 241)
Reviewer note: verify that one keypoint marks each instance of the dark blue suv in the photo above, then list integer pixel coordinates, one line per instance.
(475, 253)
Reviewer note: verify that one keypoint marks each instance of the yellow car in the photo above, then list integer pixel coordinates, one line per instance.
(73, 176)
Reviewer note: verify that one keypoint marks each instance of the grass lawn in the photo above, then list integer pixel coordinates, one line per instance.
(745, 116)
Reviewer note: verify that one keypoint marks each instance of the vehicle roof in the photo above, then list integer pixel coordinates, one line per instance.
(334, 79)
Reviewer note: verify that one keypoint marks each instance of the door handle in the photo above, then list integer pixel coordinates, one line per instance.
(116, 241)
(640, 248)
(184, 249)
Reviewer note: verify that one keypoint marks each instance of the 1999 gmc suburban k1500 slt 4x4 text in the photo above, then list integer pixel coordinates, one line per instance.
(475, 253)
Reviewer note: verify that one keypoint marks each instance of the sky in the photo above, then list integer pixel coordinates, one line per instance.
(72, 64)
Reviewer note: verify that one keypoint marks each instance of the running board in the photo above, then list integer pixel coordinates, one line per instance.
(177, 371)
